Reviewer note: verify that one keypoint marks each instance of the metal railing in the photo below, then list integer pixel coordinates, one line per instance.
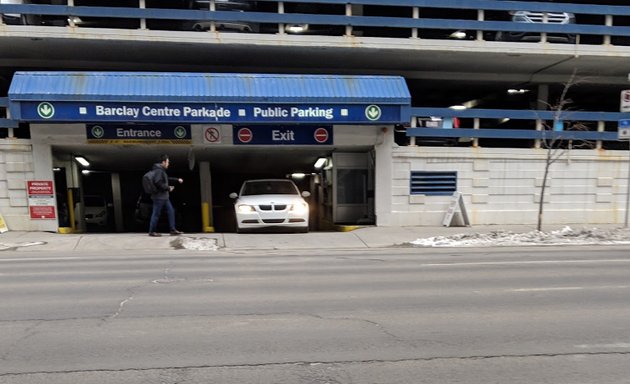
(354, 23)
(548, 125)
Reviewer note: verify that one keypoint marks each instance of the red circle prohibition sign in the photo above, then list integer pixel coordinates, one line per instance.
(321, 135)
(212, 135)
(245, 135)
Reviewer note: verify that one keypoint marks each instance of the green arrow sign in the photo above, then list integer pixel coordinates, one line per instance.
(98, 131)
(180, 132)
(373, 112)
(45, 110)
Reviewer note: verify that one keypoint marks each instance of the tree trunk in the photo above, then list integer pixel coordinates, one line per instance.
(542, 191)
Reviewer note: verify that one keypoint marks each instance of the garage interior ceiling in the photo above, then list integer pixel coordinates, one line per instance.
(254, 160)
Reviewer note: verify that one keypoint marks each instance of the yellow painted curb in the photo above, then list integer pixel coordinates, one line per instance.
(346, 228)
(64, 230)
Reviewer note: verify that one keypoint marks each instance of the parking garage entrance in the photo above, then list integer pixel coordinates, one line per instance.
(322, 131)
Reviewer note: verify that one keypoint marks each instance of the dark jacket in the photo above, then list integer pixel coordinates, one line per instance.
(162, 182)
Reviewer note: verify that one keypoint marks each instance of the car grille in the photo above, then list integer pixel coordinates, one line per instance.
(273, 221)
(552, 17)
(276, 207)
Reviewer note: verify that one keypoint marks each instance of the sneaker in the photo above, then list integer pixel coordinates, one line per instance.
(175, 232)
(155, 234)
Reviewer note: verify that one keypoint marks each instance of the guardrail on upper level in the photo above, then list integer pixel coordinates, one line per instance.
(543, 124)
(5, 122)
(446, 15)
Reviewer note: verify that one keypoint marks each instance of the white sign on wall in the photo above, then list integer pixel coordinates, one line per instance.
(625, 101)
(623, 131)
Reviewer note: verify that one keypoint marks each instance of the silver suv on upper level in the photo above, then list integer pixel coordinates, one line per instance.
(537, 17)
(223, 5)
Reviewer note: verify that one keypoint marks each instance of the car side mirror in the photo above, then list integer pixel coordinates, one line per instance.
(306, 193)
(233, 195)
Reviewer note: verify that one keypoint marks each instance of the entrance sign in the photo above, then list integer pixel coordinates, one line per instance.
(41, 199)
(102, 112)
(138, 134)
(458, 200)
(283, 135)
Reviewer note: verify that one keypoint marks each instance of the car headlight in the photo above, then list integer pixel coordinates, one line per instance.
(244, 208)
(299, 208)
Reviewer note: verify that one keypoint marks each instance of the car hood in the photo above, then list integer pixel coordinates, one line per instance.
(268, 199)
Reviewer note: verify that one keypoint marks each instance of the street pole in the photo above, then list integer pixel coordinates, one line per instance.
(627, 189)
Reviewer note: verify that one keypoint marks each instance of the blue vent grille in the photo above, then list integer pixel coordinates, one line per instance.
(433, 183)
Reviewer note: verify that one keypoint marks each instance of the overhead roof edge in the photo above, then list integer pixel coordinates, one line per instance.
(167, 87)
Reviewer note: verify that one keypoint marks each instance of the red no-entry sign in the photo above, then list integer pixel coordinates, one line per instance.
(321, 135)
(245, 135)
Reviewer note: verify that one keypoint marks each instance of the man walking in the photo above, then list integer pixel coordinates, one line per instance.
(161, 197)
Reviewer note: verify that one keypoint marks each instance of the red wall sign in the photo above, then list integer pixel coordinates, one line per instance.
(40, 187)
(41, 199)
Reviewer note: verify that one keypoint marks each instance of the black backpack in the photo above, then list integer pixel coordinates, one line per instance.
(148, 182)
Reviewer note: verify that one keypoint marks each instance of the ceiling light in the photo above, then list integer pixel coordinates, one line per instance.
(320, 163)
(298, 176)
(85, 171)
(82, 160)
(514, 91)
(458, 107)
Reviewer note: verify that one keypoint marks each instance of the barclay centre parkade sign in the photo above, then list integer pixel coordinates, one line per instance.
(203, 113)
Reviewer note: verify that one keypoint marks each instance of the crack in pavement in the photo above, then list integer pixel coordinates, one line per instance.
(381, 327)
(290, 363)
(28, 333)
(132, 292)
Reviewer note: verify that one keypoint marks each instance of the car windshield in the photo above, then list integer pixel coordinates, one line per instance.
(269, 187)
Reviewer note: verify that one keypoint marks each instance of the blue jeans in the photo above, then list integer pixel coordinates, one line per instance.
(158, 204)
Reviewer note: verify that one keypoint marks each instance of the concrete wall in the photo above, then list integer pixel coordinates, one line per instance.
(502, 186)
(16, 167)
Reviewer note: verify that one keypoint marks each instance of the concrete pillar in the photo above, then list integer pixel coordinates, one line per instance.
(117, 202)
(383, 176)
(205, 182)
(43, 170)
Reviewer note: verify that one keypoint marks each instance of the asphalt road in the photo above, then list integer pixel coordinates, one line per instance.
(508, 315)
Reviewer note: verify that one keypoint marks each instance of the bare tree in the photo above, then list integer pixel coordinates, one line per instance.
(556, 143)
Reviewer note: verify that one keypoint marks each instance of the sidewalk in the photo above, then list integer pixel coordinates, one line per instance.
(365, 237)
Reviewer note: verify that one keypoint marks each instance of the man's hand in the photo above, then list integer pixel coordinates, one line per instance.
(170, 188)
(180, 180)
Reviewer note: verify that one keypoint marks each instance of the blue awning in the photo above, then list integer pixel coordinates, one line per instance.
(63, 91)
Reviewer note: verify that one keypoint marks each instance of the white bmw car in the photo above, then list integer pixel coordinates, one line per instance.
(269, 204)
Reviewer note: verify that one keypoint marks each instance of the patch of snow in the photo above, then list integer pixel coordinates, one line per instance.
(11, 246)
(195, 243)
(566, 235)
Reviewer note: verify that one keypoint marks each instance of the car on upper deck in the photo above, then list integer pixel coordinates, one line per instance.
(222, 5)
